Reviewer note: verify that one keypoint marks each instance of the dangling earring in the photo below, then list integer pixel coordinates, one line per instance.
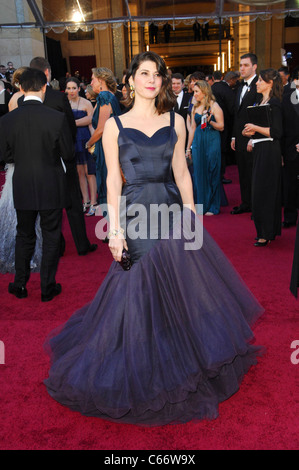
(132, 92)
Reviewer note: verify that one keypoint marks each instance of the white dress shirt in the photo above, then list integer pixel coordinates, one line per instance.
(179, 98)
(246, 87)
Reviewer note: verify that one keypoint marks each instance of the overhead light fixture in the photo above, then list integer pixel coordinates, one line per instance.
(78, 16)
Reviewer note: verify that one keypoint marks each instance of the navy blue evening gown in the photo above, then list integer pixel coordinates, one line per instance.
(169, 339)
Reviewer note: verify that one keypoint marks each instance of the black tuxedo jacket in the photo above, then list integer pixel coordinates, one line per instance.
(34, 137)
(225, 97)
(287, 88)
(57, 100)
(290, 115)
(241, 115)
(183, 109)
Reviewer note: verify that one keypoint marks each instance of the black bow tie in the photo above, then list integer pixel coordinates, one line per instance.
(246, 84)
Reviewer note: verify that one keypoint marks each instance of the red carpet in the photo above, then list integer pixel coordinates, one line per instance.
(262, 415)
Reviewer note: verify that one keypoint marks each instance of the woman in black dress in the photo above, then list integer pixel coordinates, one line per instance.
(266, 176)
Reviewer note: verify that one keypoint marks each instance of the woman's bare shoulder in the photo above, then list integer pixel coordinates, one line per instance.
(110, 126)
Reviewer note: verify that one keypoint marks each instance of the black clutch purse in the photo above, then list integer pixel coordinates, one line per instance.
(126, 262)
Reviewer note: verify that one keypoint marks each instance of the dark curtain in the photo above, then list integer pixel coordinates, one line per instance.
(57, 62)
(83, 64)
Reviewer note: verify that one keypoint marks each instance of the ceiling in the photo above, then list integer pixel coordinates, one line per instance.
(50, 14)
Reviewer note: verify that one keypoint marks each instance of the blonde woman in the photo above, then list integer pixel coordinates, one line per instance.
(91, 95)
(103, 83)
(13, 102)
(206, 123)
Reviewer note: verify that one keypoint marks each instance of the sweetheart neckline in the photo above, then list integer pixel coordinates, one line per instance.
(149, 137)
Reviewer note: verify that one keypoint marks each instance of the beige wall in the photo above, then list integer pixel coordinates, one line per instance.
(111, 46)
(18, 45)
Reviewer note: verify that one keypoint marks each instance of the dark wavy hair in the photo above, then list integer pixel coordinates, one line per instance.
(166, 99)
(277, 87)
(73, 79)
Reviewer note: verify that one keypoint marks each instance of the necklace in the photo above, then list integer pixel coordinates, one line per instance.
(265, 101)
(78, 102)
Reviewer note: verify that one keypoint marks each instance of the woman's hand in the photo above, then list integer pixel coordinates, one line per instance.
(249, 130)
(249, 146)
(188, 154)
(116, 246)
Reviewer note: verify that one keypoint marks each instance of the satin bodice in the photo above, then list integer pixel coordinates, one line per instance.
(146, 164)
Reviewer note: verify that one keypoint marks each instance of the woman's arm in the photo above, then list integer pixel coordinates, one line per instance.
(188, 122)
(180, 170)
(275, 129)
(191, 132)
(86, 120)
(114, 188)
(250, 129)
(104, 115)
(218, 115)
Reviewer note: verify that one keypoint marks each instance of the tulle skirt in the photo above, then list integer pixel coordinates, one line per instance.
(164, 342)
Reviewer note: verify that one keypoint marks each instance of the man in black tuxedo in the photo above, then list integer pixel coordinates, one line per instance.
(290, 144)
(35, 138)
(246, 96)
(183, 98)
(57, 100)
(225, 97)
(285, 75)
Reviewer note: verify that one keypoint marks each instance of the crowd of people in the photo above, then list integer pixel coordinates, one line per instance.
(215, 109)
(145, 352)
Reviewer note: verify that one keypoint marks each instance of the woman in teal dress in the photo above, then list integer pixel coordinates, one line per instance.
(103, 83)
(206, 124)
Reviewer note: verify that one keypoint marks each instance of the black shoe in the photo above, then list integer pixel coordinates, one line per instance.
(239, 210)
(19, 292)
(90, 249)
(226, 181)
(55, 291)
(265, 243)
(288, 224)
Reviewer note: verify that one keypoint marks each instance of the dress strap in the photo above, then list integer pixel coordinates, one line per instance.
(172, 115)
(118, 122)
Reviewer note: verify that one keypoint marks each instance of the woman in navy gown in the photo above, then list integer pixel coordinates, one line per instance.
(170, 338)
(204, 136)
(86, 167)
(104, 84)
